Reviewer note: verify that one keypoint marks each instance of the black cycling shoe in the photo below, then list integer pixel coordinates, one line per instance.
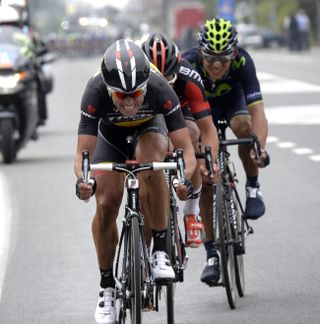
(255, 207)
(238, 249)
(211, 272)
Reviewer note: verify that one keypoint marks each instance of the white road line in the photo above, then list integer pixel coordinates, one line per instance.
(271, 83)
(315, 158)
(5, 228)
(272, 139)
(286, 144)
(302, 150)
(294, 115)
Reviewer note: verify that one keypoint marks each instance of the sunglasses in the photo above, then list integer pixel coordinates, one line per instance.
(123, 95)
(174, 79)
(211, 58)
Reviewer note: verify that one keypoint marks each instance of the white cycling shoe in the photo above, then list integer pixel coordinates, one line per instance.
(106, 307)
(161, 267)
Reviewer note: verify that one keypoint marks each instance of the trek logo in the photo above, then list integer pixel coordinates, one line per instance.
(191, 73)
(91, 109)
(168, 105)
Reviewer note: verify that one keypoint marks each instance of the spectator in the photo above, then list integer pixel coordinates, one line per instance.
(303, 24)
(294, 37)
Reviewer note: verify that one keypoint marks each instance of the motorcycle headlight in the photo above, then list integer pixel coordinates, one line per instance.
(10, 81)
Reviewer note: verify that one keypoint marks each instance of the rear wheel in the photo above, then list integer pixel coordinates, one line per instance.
(8, 144)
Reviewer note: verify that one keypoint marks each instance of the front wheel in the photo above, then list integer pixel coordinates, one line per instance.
(135, 266)
(225, 246)
(238, 231)
(8, 144)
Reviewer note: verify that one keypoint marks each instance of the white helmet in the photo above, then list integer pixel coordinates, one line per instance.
(9, 15)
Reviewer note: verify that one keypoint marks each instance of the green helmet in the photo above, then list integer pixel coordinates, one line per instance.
(218, 36)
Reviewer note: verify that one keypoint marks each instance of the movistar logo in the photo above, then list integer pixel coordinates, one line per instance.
(221, 89)
(237, 63)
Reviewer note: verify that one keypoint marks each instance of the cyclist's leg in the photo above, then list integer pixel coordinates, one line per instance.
(211, 271)
(193, 225)
(240, 122)
(104, 229)
(152, 145)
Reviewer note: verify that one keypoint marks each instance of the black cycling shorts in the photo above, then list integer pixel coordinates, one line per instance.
(112, 145)
(187, 114)
(229, 106)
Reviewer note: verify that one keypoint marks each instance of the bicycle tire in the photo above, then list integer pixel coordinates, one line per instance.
(239, 239)
(173, 259)
(226, 248)
(135, 266)
(122, 264)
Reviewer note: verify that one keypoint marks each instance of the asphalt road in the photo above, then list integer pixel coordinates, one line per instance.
(48, 271)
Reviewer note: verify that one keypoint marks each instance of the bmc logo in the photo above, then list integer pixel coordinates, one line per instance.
(191, 73)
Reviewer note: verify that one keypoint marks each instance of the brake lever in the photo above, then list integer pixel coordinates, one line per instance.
(208, 159)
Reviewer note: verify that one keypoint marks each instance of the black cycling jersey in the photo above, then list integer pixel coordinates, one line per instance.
(234, 92)
(190, 90)
(97, 106)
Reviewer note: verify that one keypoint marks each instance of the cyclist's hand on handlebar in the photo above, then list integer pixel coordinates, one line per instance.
(85, 190)
(263, 160)
(207, 177)
(183, 190)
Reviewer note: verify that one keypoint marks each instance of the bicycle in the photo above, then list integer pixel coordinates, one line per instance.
(135, 288)
(175, 244)
(231, 227)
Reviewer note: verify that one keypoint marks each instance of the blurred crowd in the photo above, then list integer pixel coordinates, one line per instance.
(78, 43)
(297, 29)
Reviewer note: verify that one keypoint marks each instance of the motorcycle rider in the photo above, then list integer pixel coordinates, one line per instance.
(10, 16)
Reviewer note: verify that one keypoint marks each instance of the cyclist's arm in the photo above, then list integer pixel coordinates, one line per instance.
(85, 142)
(259, 122)
(181, 139)
(209, 135)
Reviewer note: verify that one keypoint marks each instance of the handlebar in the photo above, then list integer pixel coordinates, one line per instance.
(132, 166)
(252, 140)
(207, 156)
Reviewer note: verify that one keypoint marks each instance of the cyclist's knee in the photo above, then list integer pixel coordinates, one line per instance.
(241, 126)
(151, 147)
(152, 177)
(108, 208)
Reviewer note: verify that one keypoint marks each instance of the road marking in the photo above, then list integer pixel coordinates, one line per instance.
(315, 158)
(5, 228)
(294, 115)
(272, 139)
(302, 150)
(271, 83)
(286, 144)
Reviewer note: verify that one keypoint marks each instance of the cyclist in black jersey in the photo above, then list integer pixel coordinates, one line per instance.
(124, 99)
(187, 84)
(233, 91)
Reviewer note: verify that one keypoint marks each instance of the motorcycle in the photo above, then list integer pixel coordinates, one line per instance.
(20, 91)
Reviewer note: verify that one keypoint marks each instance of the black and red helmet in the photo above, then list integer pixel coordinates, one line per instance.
(162, 52)
(125, 67)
